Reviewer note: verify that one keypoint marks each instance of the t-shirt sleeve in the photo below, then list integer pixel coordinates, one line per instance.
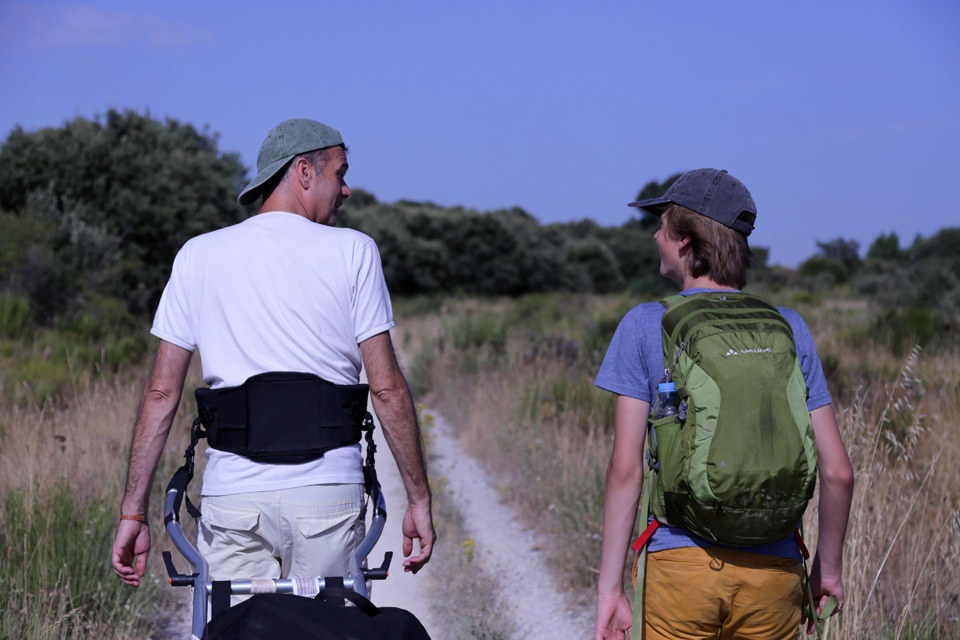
(372, 311)
(623, 370)
(819, 394)
(173, 321)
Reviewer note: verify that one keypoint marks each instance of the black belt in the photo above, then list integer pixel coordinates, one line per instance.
(282, 417)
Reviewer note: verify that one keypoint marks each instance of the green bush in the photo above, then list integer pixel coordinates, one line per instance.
(15, 315)
(820, 272)
(806, 299)
(902, 330)
(474, 331)
(54, 362)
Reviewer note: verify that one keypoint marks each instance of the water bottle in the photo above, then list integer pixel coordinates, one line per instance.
(668, 402)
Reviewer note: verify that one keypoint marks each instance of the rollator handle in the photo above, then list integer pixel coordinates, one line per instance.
(177, 579)
(381, 572)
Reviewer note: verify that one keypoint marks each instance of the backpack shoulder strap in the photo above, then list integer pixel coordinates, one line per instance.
(640, 546)
(669, 301)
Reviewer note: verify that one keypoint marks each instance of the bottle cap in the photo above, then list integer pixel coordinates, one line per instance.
(667, 387)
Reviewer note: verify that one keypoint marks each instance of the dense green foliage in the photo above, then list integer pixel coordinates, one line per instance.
(93, 212)
(427, 249)
(916, 291)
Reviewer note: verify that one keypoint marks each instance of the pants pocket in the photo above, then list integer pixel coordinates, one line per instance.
(325, 542)
(230, 518)
(327, 524)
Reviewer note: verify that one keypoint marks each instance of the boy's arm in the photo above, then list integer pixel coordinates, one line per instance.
(836, 494)
(621, 498)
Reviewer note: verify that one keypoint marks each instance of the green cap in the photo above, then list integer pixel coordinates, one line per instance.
(286, 140)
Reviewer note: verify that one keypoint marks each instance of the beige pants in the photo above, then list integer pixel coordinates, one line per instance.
(303, 532)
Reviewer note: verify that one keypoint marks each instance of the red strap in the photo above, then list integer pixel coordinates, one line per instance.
(803, 547)
(645, 536)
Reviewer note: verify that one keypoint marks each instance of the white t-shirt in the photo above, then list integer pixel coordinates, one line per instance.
(276, 293)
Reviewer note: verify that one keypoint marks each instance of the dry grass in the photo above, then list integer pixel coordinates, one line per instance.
(532, 413)
(62, 470)
(902, 577)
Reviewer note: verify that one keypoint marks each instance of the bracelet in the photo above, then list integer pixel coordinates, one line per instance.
(124, 516)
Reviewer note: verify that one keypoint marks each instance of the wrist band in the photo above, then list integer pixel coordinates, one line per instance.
(124, 516)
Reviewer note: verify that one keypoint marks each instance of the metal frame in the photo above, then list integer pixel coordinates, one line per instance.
(199, 579)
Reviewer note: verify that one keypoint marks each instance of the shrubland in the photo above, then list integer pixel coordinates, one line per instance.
(516, 377)
(507, 321)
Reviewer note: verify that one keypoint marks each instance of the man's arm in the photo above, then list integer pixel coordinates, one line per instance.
(158, 405)
(394, 406)
(621, 497)
(836, 493)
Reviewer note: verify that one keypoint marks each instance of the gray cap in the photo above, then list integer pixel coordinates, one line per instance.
(286, 140)
(712, 193)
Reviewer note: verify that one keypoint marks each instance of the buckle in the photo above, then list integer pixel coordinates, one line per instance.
(206, 415)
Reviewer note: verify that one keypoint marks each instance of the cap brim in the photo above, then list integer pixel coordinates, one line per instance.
(653, 205)
(252, 191)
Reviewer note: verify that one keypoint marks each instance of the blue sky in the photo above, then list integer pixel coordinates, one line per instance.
(842, 118)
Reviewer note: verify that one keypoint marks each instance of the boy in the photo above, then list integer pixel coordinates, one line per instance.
(693, 587)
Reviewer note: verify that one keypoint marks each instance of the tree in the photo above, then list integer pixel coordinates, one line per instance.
(597, 263)
(886, 247)
(917, 294)
(121, 194)
(652, 189)
(846, 251)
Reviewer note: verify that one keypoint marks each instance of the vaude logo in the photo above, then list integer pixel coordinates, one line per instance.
(736, 353)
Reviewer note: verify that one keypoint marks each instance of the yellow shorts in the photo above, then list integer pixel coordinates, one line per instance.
(693, 594)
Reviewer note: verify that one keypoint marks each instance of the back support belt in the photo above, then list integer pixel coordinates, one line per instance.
(283, 418)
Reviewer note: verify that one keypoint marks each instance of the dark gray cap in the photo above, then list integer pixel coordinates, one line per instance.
(712, 193)
(286, 140)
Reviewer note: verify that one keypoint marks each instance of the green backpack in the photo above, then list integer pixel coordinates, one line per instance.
(738, 464)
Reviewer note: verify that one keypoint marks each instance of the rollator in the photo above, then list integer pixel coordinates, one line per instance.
(305, 607)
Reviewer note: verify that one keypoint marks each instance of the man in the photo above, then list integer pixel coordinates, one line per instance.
(284, 291)
(695, 588)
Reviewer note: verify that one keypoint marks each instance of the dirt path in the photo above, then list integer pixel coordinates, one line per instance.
(509, 552)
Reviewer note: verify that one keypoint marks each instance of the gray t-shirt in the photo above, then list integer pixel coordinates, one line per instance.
(633, 366)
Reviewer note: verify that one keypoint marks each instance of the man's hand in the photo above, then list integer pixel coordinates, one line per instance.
(417, 523)
(131, 543)
(614, 617)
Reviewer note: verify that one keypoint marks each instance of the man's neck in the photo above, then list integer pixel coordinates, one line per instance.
(283, 202)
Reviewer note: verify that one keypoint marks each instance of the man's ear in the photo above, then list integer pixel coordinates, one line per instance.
(303, 172)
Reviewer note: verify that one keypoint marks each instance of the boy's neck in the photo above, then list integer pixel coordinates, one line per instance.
(704, 282)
